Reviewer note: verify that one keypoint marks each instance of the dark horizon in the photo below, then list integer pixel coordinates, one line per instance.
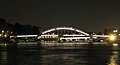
(91, 16)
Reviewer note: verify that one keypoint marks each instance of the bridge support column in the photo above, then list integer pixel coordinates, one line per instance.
(91, 39)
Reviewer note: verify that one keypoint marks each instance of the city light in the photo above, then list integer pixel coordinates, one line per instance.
(101, 35)
(112, 37)
(27, 35)
(119, 34)
(115, 31)
(5, 35)
(2, 31)
(115, 44)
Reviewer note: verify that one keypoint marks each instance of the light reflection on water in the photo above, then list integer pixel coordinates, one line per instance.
(34, 55)
(114, 59)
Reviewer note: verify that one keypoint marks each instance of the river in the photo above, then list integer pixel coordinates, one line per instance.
(96, 54)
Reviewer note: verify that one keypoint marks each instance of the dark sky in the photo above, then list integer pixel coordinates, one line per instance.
(89, 15)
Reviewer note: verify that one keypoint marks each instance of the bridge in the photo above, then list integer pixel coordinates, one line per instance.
(64, 34)
(68, 34)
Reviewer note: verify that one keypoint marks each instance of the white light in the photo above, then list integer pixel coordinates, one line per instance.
(48, 31)
(5, 35)
(74, 38)
(2, 31)
(65, 28)
(49, 35)
(77, 38)
(73, 35)
(119, 34)
(82, 32)
(12, 36)
(115, 44)
(115, 31)
(0, 35)
(26, 35)
(100, 35)
(54, 36)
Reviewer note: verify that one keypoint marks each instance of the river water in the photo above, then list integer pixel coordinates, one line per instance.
(96, 54)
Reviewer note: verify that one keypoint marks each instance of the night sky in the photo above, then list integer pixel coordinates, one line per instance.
(89, 15)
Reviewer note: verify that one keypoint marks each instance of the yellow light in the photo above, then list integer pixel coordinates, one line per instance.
(112, 37)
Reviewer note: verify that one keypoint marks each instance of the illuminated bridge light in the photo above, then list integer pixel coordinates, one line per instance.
(49, 36)
(77, 38)
(82, 32)
(27, 35)
(101, 35)
(65, 28)
(73, 35)
(48, 31)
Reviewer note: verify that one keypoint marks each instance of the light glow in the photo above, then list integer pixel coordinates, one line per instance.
(115, 44)
(82, 32)
(77, 38)
(27, 35)
(115, 31)
(2, 31)
(65, 28)
(5, 35)
(112, 37)
(100, 35)
(48, 31)
(73, 35)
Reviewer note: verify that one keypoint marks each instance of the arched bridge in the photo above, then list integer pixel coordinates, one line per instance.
(67, 33)
(65, 30)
